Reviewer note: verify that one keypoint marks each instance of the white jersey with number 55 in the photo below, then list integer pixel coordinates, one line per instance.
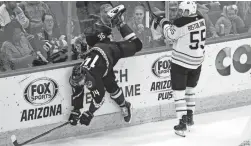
(189, 35)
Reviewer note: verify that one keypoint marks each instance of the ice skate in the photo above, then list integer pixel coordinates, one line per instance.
(127, 112)
(190, 121)
(181, 128)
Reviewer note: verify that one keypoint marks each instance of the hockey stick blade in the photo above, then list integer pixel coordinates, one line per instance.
(14, 138)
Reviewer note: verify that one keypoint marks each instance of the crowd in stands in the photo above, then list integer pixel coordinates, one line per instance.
(33, 33)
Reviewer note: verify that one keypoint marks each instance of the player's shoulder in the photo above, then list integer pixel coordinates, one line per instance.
(182, 21)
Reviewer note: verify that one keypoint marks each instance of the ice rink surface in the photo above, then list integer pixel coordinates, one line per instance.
(223, 128)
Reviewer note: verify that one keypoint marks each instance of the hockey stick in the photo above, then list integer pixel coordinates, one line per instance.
(150, 10)
(14, 139)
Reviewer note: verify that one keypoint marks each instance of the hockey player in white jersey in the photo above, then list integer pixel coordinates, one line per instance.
(188, 34)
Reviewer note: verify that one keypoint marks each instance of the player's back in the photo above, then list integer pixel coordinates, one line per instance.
(189, 46)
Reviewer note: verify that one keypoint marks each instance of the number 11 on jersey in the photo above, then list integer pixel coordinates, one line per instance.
(90, 62)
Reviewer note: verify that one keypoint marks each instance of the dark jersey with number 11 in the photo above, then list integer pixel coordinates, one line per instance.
(189, 35)
(103, 56)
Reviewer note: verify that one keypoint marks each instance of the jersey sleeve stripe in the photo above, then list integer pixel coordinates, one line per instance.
(129, 36)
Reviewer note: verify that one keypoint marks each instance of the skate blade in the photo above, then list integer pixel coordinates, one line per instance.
(180, 133)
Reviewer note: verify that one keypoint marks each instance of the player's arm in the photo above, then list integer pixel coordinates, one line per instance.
(131, 40)
(170, 31)
(131, 43)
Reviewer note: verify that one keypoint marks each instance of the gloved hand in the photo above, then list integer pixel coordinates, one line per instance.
(74, 117)
(157, 21)
(86, 118)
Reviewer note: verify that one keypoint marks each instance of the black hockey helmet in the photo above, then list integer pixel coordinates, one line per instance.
(81, 76)
(77, 75)
(96, 29)
(98, 32)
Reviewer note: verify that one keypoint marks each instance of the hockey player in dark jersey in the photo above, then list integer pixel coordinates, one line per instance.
(96, 71)
(188, 34)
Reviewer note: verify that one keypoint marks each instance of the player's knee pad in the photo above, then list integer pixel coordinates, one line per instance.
(190, 91)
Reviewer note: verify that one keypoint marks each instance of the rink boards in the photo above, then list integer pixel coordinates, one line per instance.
(37, 101)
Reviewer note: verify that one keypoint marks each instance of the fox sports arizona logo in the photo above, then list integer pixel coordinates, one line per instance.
(41, 91)
(162, 66)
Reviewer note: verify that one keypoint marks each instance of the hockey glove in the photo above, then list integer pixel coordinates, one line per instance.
(74, 117)
(160, 20)
(86, 118)
(115, 15)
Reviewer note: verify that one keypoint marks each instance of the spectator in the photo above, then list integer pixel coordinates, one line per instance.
(211, 31)
(48, 31)
(5, 63)
(34, 10)
(137, 25)
(48, 41)
(158, 40)
(17, 47)
(88, 12)
(229, 22)
(226, 3)
(173, 10)
(9, 10)
(244, 11)
(173, 14)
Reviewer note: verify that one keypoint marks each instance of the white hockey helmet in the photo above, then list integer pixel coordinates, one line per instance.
(189, 6)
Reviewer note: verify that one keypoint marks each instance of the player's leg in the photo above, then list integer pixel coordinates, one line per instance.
(77, 102)
(179, 79)
(98, 93)
(93, 81)
(117, 95)
(128, 48)
(76, 97)
(192, 81)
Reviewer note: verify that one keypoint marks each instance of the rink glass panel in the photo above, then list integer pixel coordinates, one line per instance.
(66, 14)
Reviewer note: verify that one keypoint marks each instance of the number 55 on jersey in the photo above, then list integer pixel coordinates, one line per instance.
(188, 35)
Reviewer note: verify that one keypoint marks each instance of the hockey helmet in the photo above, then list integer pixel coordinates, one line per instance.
(81, 76)
(98, 32)
(77, 75)
(187, 6)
